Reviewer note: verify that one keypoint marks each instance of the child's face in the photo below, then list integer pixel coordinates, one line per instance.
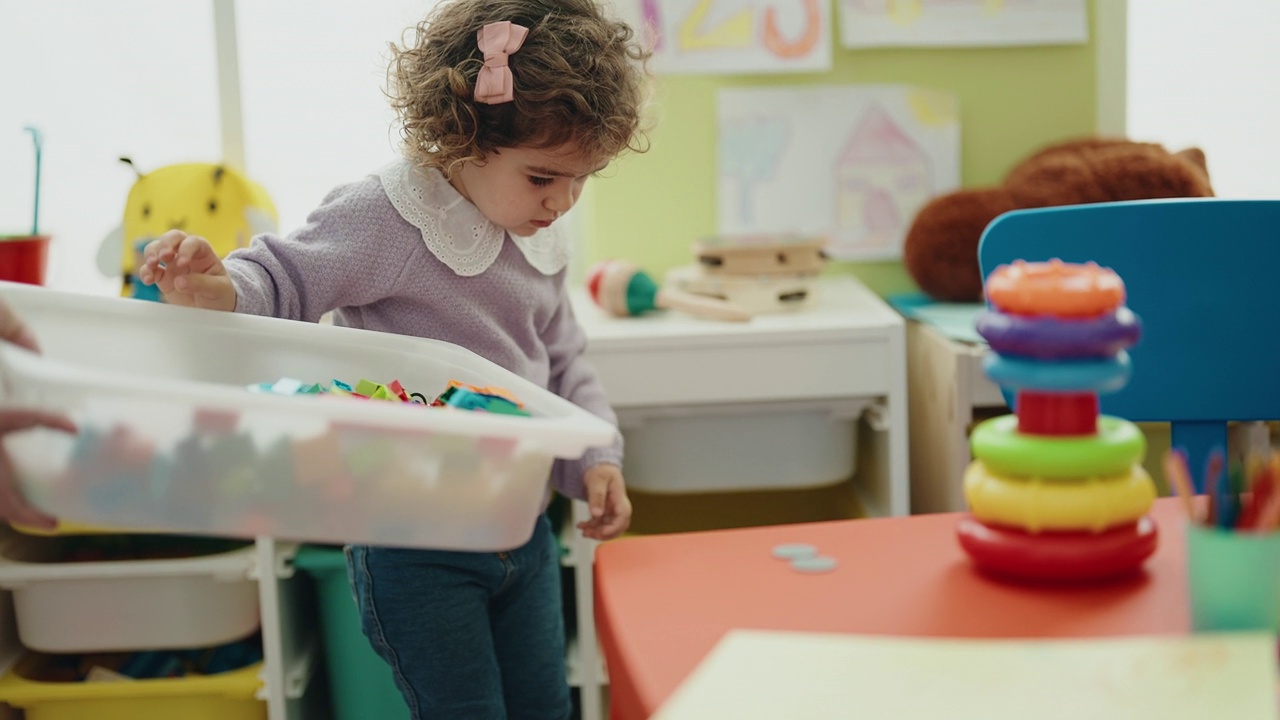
(524, 190)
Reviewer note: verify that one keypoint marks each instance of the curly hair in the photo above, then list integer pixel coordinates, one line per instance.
(578, 78)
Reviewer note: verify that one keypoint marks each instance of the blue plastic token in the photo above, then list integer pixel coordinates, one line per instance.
(818, 564)
(1100, 376)
(794, 551)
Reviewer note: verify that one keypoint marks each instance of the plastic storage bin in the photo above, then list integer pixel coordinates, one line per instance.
(172, 441)
(115, 605)
(737, 447)
(225, 696)
(360, 683)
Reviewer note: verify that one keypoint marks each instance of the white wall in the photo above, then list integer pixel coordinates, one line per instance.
(99, 82)
(1208, 74)
(315, 115)
(104, 79)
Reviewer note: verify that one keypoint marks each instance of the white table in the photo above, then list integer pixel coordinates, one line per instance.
(847, 350)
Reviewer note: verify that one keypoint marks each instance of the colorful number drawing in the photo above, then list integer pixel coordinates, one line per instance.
(731, 36)
(736, 32)
(775, 43)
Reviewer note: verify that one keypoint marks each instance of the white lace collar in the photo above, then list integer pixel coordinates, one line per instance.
(456, 232)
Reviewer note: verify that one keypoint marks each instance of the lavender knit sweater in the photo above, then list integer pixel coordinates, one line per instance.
(358, 257)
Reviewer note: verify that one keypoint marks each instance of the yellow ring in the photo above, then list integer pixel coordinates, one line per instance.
(1037, 504)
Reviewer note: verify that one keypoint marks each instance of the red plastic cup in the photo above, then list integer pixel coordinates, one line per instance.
(24, 258)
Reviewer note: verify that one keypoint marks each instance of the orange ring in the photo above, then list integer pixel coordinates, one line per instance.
(1055, 288)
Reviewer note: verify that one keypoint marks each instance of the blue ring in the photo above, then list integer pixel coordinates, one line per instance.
(1051, 338)
(1100, 376)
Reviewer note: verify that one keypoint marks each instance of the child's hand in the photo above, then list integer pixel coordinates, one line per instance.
(607, 499)
(188, 272)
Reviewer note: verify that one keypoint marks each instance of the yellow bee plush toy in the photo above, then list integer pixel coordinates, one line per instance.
(206, 199)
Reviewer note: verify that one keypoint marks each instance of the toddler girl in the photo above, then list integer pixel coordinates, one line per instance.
(507, 107)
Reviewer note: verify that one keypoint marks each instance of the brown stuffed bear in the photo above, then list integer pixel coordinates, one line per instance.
(941, 248)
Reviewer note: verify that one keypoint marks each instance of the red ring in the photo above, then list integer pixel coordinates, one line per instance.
(1062, 557)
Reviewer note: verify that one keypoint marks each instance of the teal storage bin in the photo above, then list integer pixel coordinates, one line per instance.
(360, 683)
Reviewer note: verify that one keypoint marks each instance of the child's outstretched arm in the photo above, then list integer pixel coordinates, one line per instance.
(597, 476)
(188, 272)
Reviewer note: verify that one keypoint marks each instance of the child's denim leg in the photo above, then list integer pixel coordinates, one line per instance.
(468, 635)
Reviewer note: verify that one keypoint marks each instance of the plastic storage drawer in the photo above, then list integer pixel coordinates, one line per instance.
(117, 605)
(225, 696)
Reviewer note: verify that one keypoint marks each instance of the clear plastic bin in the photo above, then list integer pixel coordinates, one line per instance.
(172, 441)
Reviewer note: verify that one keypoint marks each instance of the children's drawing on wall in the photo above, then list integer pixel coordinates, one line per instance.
(750, 149)
(879, 23)
(733, 36)
(880, 175)
(851, 163)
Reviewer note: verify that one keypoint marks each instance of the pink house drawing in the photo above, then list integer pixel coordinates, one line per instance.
(881, 178)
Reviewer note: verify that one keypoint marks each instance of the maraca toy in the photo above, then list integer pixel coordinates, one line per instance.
(624, 290)
(1057, 492)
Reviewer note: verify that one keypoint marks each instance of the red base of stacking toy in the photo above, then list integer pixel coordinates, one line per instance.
(1047, 413)
(1059, 557)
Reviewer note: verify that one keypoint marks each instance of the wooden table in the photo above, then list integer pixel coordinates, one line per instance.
(946, 384)
(662, 602)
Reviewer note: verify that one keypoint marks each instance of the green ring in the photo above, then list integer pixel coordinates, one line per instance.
(1112, 451)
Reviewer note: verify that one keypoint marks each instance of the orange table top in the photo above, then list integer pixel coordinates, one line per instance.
(662, 602)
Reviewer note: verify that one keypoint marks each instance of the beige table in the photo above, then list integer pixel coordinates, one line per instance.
(945, 389)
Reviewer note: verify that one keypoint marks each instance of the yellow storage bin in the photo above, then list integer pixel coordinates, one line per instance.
(71, 528)
(225, 696)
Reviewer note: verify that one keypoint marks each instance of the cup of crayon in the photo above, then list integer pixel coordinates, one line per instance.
(1233, 544)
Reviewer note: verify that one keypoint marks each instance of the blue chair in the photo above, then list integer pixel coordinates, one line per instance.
(1204, 276)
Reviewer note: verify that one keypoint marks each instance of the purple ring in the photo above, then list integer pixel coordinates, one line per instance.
(1051, 338)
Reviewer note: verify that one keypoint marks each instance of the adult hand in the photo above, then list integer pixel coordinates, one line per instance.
(14, 507)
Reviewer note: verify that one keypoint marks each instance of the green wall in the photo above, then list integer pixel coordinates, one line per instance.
(649, 208)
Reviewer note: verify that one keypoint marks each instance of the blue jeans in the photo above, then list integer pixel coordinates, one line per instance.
(469, 636)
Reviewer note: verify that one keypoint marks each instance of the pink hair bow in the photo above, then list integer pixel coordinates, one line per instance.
(497, 41)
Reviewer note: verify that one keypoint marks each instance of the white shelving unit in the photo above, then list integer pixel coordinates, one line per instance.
(585, 664)
(289, 637)
(290, 644)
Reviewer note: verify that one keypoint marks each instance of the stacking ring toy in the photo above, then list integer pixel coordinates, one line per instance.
(1064, 557)
(1115, 448)
(1036, 504)
(1098, 375)
(1049, 338)
(1055, 288)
